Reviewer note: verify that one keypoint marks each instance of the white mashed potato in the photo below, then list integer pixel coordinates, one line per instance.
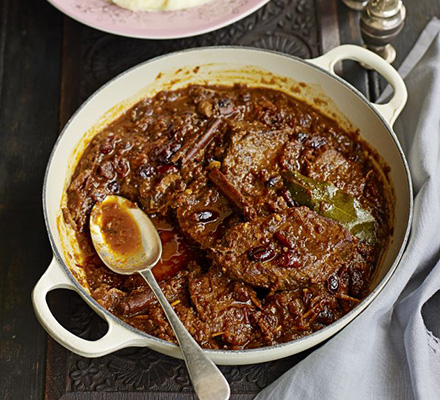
(151, 5)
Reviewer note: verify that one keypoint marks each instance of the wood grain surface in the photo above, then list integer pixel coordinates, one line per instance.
(49, 64)
(30, 57)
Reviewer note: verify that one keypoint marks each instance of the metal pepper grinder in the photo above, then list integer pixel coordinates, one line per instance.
(356, 4)
(381, 22)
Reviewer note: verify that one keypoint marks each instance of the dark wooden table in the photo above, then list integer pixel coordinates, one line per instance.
(49, 65)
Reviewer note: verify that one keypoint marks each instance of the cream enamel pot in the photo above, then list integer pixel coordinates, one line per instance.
(308, 80)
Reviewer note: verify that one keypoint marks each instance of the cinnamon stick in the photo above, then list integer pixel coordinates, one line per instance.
(192, 147)
(229, 190)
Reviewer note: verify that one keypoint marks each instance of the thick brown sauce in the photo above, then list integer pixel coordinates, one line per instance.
(119, 230)
(243, 264)
(175, 251)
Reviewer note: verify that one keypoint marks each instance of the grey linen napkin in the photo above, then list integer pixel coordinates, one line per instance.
(388, 352)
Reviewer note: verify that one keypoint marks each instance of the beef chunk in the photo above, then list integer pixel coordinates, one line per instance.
(281, 317)
(227, 306)
(79, 201)
(283, 251)
(250, 159)
(252, 147)
(202, 212)
(108, 297)
(290, 155)
(290, 314)
(158, 194)
(141, 299)
(141, 308)
(332, 166)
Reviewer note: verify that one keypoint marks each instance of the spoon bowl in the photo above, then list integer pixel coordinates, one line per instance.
(127, 242)
(124, 237)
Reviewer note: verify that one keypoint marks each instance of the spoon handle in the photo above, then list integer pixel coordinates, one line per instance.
(208, 381)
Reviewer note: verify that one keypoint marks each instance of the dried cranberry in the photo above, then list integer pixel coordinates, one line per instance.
(205, 216)
(164, 168)
(288, 260)
(333, 284)
(272, 181)
(113, 187)
(226, 107)
(160, 154)
(261, 254)
(301, 136)
(106, 148)
(163, 153)
(285, 194)
(326, 316)
(146, 171)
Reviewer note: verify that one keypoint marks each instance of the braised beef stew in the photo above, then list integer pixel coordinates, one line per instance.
(250, 260)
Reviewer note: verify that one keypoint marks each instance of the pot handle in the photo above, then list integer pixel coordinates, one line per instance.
(389, 111)
(117, 337)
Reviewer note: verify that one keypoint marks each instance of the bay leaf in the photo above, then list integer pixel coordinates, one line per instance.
(328, 201)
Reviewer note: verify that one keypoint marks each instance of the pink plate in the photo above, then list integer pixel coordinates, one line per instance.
(107, 17)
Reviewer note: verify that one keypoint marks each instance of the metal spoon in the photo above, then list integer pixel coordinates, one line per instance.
(127, 242)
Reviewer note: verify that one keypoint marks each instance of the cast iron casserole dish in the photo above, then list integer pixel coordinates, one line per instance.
(218, 66)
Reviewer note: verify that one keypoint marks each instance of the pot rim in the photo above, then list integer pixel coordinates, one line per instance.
(309, 338)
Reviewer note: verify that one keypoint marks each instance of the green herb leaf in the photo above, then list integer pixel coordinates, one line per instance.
(328, 201)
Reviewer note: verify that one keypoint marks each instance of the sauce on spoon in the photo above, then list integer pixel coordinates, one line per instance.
(119, 229)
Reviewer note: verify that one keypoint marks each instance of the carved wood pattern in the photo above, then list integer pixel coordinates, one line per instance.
(288, 26)
(92, 58)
